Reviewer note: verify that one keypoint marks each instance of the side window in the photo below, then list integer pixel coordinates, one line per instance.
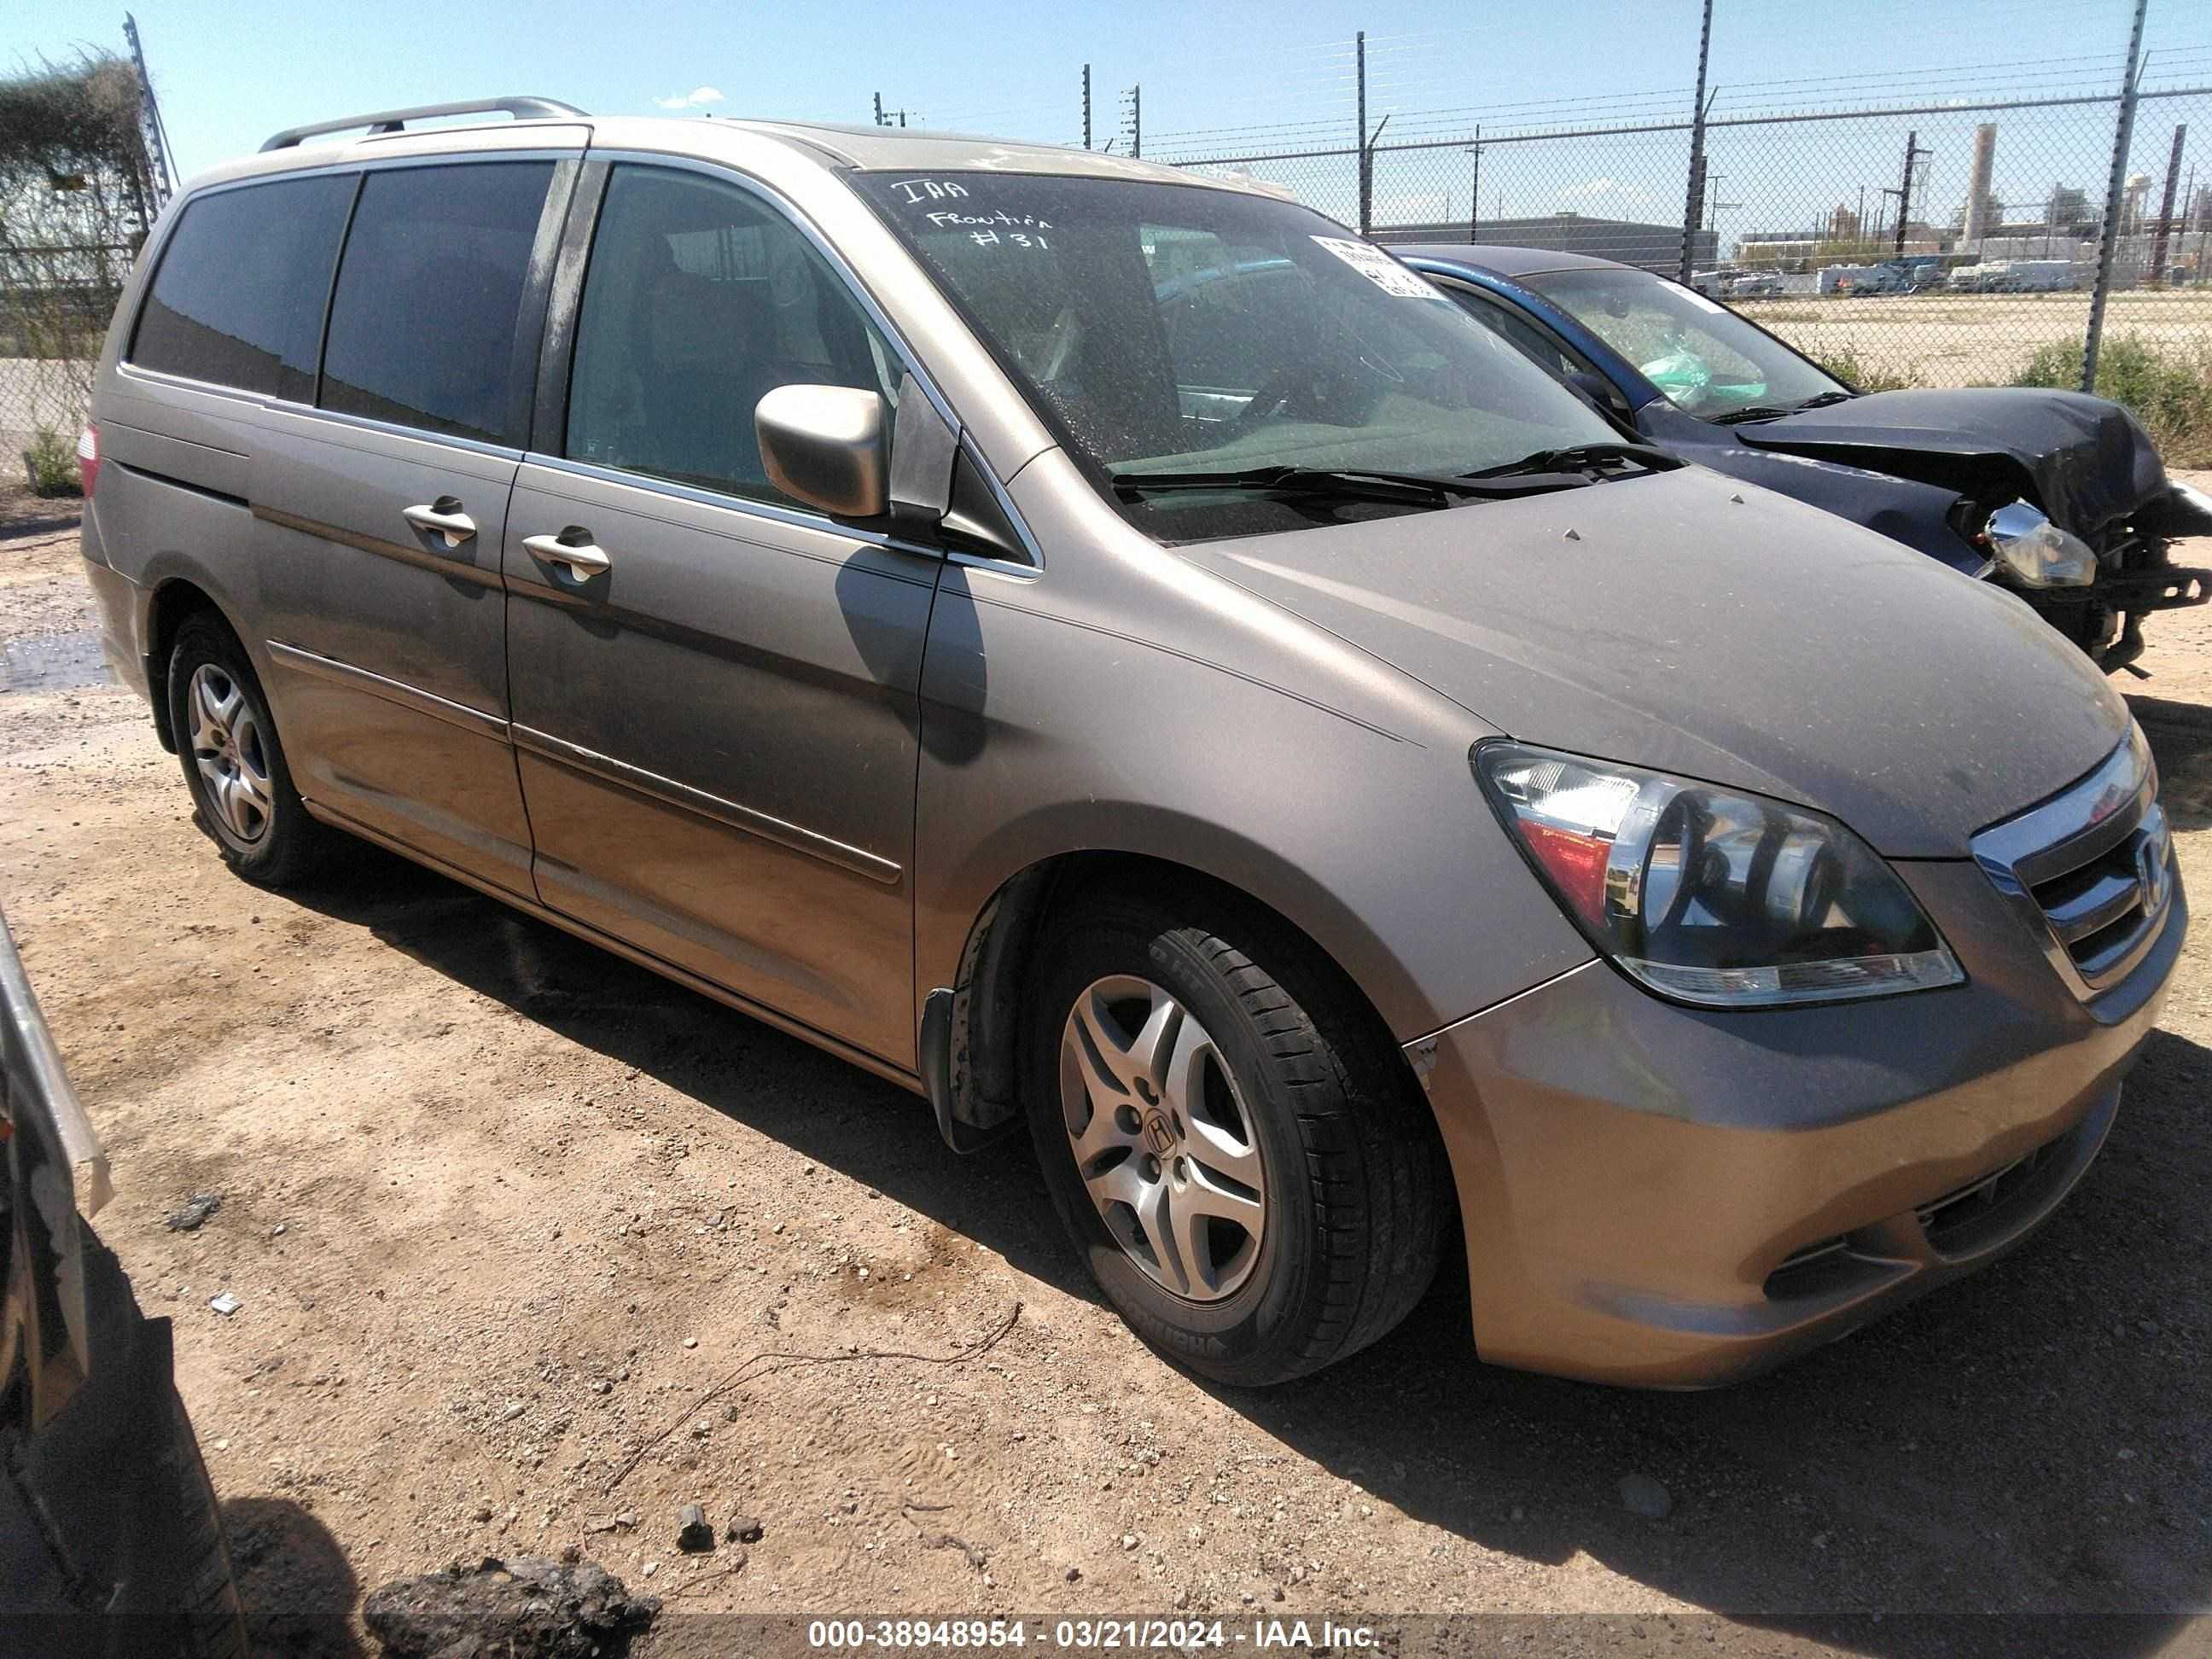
(237, 299)
(428, 292)
(700, 300)
(1516, 330)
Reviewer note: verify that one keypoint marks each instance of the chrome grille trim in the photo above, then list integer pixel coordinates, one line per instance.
(2091, 870)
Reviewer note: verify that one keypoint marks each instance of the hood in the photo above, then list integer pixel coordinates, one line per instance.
(2084, 460)
(1720, 631)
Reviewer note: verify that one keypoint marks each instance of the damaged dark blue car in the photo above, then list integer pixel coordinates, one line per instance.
(2060, 496)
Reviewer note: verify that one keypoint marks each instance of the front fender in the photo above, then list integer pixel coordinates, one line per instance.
(1042, 737)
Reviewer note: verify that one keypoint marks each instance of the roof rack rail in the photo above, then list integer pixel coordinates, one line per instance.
(396, 120)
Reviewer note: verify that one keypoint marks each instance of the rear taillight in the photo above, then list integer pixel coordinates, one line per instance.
(88, 457)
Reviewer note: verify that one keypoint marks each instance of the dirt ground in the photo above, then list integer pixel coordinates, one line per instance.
(1972, 339)
(501, 1209)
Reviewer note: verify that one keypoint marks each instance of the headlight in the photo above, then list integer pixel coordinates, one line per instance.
(1710, 896)
(2037, 552)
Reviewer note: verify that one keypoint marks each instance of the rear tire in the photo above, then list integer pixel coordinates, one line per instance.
(1229, 1134)
(235, 767)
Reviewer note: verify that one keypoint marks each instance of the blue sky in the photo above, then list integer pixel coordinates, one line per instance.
(229, 72)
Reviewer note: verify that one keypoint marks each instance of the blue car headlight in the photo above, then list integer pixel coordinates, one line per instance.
(2036, 552)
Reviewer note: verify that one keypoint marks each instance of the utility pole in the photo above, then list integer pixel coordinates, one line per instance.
(1694, 204)
(161, 175)
(1087, 107)
(1903, 192)
(2108, 240)
(2166, 207)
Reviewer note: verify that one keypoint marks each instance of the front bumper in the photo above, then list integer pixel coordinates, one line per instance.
(1671, 1197)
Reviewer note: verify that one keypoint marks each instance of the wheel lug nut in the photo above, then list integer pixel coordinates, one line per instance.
(1126, 1120)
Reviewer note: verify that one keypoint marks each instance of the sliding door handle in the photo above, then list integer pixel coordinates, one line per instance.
(443, 516)
(582, 557)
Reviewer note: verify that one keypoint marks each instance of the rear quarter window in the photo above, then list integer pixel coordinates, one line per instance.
(238, 297)
(429, 294)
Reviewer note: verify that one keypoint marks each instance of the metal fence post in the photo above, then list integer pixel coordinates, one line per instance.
(2108, 236)
(1359, 138)
(1474, 191)
(1694, 204)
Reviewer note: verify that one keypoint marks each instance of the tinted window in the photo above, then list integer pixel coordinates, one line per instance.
(239, 296)
(422, 325)
(699, 300)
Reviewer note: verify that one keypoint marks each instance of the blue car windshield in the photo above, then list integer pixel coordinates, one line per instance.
(1163, 328)
(1706, 359)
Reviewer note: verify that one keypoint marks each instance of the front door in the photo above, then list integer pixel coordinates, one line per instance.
(715, 691)
(380, 513)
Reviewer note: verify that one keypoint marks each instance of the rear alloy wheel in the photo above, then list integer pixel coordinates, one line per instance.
(231, 753)
(233, 763)
(1229, 1134)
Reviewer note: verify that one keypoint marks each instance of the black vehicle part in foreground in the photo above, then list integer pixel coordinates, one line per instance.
(109, 1540)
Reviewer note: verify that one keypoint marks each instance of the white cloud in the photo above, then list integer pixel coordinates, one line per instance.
(698, 98)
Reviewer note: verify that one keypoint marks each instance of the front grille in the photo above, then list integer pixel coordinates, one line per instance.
(2091, 869)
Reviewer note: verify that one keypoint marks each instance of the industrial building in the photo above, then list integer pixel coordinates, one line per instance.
(1656, 247)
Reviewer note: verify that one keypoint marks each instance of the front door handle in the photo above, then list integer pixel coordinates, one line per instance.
(573, 547)
(443, 516)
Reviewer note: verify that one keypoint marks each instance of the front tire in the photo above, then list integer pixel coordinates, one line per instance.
(1230, 1138)
(235, 767)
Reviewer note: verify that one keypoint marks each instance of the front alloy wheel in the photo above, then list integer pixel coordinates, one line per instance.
(1162, 1140)
(1228, 1133)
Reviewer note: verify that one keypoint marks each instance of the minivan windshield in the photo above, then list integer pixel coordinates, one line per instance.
(1176, 335)
(1708, 361)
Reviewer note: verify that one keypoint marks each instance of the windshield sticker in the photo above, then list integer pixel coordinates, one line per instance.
(1379, 267)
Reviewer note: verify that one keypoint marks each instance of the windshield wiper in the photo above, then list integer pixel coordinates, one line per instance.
(1340, 483)
(1580, 462)
(1771, 412)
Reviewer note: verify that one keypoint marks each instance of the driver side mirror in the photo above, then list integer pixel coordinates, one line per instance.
(824, 446)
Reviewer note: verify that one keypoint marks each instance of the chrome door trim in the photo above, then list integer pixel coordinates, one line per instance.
(392, 691)
(729, 813)
(744, 505)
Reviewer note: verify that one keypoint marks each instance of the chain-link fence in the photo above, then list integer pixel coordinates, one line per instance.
(81, 180)
(55, 301)
(1943, 244)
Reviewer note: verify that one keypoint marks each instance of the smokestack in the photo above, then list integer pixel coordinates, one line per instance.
(1979, 204)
